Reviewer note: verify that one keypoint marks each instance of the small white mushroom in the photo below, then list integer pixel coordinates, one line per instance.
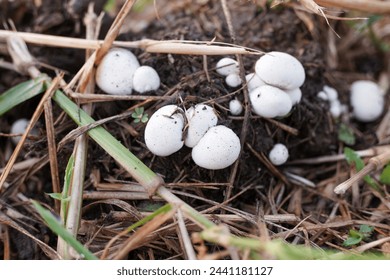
(331, 93)
(19, 127)
(295, 95)
(322, 95)
(279, 154)
(114, 75)
(163, 132)
(367, 101)
(233, 80)
(281, 70)
(226, 66)
(145, 79)
(253, 81)
(200, 118)
(270, 102)
(218, 148)
(335, 108)
(235, 107)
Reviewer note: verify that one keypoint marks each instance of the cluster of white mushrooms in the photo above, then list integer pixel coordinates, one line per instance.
(213, 146)
(119, 73)
(366, 97)
(274, 88)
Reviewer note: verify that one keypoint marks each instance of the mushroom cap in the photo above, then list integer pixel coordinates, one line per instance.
(336, 109)
(218, 148)
(253, 81)
(295, 95)
(114, 75)
(226, 66)
(235, 107)
(281, 70)
(279, 154)
(145, 79)
(367, 100)
(331, 93)
(200, 118)
(270, 102)
(323, 95)
(164, 131)
(233, 80)
(19, 127)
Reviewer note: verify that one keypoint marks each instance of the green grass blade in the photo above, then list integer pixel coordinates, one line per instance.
(112, 146)
(164, 209)
(20, 93)
(65, 190)
(56, 227)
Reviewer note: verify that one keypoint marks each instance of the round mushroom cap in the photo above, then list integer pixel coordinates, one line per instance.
(336, 108)
(226, 66)
(235, 107)
(253, 81)
(233, 80)
(18, 127)
(218, 148)
(164, 131)
(281, 70)
(279, 154)
(200, 118)
(331, 93)
(270, 102)
(114, 75)
(367, 101)
(295, 95)
(145, 79)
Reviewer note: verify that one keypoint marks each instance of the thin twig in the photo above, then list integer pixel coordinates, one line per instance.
(189, 250)
(374, 164)
(148, 45)
(366, 6)
(51, 145)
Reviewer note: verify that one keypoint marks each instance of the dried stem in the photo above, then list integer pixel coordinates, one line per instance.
(366, 6)
(148, 45)
(190, 252)
(374, 164)
(51, 144)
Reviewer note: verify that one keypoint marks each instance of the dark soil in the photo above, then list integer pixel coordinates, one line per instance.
(263, 29)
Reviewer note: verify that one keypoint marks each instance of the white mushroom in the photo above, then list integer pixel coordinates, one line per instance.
(279, 154)
(145, 79)
(19, 127)
(367, 100)
(295, 95)
(270, 102)
(233, 80)
(164, 130)
(226, 66)
(322, 95)
(336, 109)
(114, 75)
(331, 93)
(200, 118)
(281, 70)
(235, 107)
(253, 81)
(218, 148)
